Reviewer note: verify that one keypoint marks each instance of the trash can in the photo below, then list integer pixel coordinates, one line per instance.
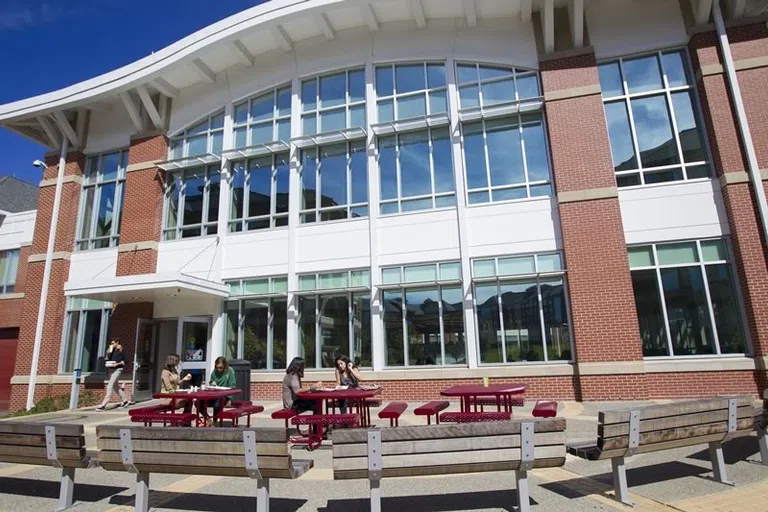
(242, 370)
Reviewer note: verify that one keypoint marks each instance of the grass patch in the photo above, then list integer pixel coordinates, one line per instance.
(56, 403)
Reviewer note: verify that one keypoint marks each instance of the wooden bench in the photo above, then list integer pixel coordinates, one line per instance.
(545, 409)
(517, 446)
(317, 425)
(625, 432)
(39, 444)
(261, 454)
(761, 426)
(472, 417)
(431, 409)
(392, 412)
(239, 410)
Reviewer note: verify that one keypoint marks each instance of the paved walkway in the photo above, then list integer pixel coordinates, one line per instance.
(673, 481)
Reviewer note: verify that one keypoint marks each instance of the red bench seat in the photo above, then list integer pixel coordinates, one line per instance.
(284, 414)
(245, 409)
(318, 424)
(431, 408)
(392, 412)
(545, 409)
(471, 417)
(166, 418)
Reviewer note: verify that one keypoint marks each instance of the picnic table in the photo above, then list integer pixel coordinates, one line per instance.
(468, 393)
(202, 395)
(357, 400)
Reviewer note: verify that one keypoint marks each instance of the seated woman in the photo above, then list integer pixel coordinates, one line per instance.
(224, 377)
(346, 375)
(292, 386)
(171, 381)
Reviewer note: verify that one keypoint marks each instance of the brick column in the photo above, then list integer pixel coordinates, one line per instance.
(142, 207)
(606, 338)
(749, 46)
(33, 276)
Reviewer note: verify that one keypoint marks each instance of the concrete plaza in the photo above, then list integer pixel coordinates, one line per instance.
(675, 480)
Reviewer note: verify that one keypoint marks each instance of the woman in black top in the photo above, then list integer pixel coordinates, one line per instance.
(346, 375)
(116, 363)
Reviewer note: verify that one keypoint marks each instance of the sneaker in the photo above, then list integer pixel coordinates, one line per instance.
(100, 408)
(124, 405)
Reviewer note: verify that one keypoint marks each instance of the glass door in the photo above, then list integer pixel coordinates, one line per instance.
(143, 365)
(194, 333)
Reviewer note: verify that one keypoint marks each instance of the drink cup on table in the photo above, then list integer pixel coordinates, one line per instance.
(486, 381)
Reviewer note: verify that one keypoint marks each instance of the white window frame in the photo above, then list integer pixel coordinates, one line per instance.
(701, 264)
(184, 135)
(433, 196)
(273, 216)
(11, 271)
(395, 96)
(317, 212)
(83, 309)
(175, 180)
(517, 72)
(667, 92)
(93, 179)
(319, 109)
(249, 123)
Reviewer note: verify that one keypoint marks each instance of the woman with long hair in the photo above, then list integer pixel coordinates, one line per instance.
(171, 381)
(346, 375)
(292, 386)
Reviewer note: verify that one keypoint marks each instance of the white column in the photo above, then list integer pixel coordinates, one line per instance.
(216, 345)
(47, 274)
(294, 205)
(377, 313)
(461, 214)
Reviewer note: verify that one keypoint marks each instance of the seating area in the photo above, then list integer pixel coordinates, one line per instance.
(430, 409)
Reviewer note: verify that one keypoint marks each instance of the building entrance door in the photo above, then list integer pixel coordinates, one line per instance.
(193, 336)
(143, 364)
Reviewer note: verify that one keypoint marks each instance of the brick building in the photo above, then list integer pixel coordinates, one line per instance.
(569, 193)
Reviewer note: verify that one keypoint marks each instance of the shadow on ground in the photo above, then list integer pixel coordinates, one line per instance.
(734, 451)
(208, 502)
(50, 489)
(635, 476)
(505, 500)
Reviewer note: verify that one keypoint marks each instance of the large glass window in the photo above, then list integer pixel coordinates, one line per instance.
(192, 202)
(334, 182)
(333, 102)
(260, 188)
(424, 315)
(85, 331)
(264, 118)
(102, 201)
(416, 171)
(257, 322)
(521, 309)
(9, 265)
(653, 123)
(335, 317)
(205, 137)
(506, 159)
(686, 299)
(483, 86)
(410, 90)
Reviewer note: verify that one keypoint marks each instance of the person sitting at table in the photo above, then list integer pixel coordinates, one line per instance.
(224, 377)
(292, 386)
(348, 375)
(170, 381)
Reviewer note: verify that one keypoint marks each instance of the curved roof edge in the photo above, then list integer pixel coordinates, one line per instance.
(143, 70)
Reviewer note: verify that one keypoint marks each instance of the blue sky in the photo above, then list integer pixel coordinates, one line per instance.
(46, 45)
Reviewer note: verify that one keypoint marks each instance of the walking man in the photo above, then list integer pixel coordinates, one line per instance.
(115, 363)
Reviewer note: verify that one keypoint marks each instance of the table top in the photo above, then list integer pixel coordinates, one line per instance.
(480, 390)
(340, 394)
(203, 394)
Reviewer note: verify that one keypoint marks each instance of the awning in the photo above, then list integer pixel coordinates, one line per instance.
(147, 288)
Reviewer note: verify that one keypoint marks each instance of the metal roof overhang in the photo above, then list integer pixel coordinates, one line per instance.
(147, 288)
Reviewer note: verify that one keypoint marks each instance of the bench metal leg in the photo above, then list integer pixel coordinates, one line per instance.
(262, 495)
(620, 481)
(718, 462)
(142, 492)
(67, 489)
(375, 495)
(523, 496)
(762, 440)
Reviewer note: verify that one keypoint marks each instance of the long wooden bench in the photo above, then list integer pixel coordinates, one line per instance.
(40, 444)
(625, 432)
(449, 449)
(261, 454)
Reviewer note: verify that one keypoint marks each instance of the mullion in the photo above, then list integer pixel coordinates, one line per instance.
(710, 307)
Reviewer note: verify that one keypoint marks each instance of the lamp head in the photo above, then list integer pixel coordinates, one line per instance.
(39, 163)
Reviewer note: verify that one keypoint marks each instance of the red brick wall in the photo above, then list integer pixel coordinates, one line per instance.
(122, 326)
(136, 262)
(10, 312)
(740, 204)
(600, 288)
(21, 272)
